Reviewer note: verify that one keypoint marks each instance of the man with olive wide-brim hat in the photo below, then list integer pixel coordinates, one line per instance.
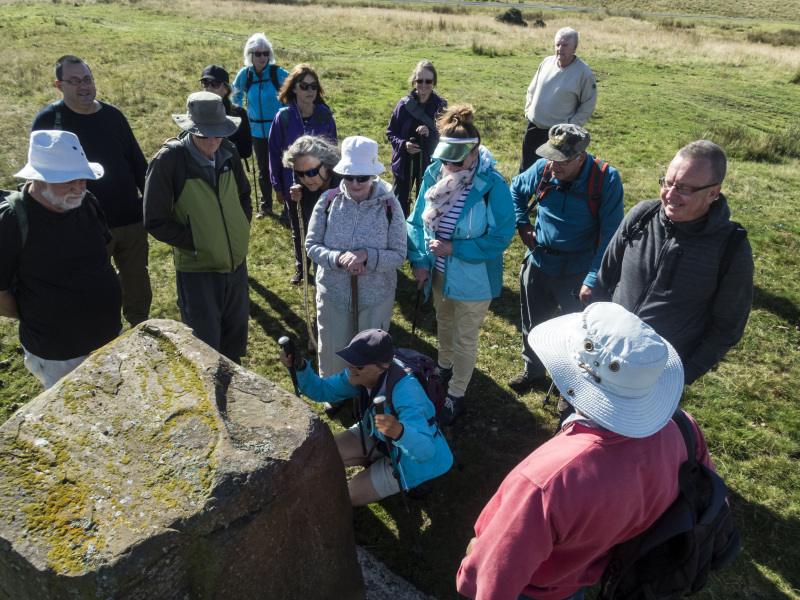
(609, 473)
(55, 274)
(197, 200)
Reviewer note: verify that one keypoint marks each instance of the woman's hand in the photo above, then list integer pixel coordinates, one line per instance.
(423, 130)
(412, 148)
(389, 426)
(286, 361)
(279, 197)
(354, 261)
(296, 192)
(421, 275)
(441, 247)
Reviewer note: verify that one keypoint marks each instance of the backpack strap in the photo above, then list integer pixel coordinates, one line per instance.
(57, 110)
(273, 76)
(639, 226)
(597, 172)
(682, 421)
(415, 110)
(249, 82)
(735, 238)
(21, 213)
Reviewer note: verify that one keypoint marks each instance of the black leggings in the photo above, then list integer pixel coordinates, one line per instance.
(261, 150)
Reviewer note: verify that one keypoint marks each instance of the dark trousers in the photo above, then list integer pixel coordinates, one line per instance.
(308, 208)
(217, 306)
(130, 250)
(403, 186)
(534, 137)
(261, 150)
(540, 295)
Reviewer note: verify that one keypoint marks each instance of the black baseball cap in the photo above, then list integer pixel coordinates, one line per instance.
(216, 74)
(367, 348)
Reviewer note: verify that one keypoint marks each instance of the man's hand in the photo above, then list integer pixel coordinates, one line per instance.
(586, 295)
(296, 192)
(8, 305)
(389, 426)
(527, 235)
(421, 276)
(441, 247)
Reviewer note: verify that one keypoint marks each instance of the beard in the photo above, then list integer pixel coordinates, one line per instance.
(65, 202)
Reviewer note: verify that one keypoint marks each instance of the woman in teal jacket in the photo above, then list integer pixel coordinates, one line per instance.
(462, 222)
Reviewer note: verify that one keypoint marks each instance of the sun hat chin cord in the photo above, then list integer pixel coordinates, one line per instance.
(597, 378)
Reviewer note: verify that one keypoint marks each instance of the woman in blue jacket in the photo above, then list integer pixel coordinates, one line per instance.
(456, 239)
(259, 83)
(304, 113)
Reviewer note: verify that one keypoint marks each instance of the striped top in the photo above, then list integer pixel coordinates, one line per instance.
(448, 224)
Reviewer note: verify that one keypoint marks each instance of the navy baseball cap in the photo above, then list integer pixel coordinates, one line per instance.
(367, 348)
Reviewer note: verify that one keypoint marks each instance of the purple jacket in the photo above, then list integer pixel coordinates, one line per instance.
(399, 131)
(287, 127)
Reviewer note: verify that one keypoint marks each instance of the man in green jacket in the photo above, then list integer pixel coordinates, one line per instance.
(197, 200)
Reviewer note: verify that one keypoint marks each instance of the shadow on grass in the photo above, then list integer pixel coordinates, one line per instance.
(777, 305)
(291, 324)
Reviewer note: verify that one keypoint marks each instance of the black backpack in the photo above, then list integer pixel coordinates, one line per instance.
(424, 369)
(273, 77)
(696, 534)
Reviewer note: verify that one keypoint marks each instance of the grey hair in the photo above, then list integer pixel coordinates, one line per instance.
(709, 151)
(253, 43)
(564, 31)
(311, 145)
(423, 64)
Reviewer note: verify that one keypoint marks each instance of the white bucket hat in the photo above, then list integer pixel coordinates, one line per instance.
(205, 116)
(612, 367)
(359, 157)
(56, 157)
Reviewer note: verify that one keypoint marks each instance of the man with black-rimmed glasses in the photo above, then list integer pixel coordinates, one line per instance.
(107, 138)
(681, 264)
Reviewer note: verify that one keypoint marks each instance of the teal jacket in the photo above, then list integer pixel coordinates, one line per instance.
(474, 271)
(423, 451)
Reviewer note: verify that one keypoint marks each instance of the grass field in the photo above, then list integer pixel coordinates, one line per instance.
(661, 84)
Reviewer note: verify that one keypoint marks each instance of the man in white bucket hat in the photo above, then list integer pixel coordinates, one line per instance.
(610, 472)
(197, 200)
(55, 274)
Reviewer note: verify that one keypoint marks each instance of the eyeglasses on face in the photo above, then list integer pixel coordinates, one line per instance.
(206, 83)
(304, 86)
(358, 178)
(259, 54)
(76, 81)
(569, 160)
(453, 163)
(428, 81)
(310, 173)
(206, 137)
(682, 188)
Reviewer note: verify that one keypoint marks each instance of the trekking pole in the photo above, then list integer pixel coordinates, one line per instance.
(289, 349)
(311, 335)
(354, 295)
(416, 314)
(380, 408)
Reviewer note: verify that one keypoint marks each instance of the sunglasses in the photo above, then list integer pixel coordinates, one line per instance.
(358, 178)
(310, 173)
(428, 81)
(304, 86)
(206, 83)
(456, 163)
(260, 54)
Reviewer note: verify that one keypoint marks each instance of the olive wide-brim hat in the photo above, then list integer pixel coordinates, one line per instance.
(205, 116)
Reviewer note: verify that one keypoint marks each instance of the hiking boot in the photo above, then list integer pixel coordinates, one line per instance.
(261, 214)
(297, 278)
(284, 216)
(444, 374)
(333, 408)
(453, 407)
(524, 381)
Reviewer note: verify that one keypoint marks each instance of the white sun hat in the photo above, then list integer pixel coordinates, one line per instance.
(56, 157)
(612, 367)
(359, 157)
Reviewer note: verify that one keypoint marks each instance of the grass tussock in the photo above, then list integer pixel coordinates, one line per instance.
(796, 77)
(783, 37)
(746, 144)
(669, 23)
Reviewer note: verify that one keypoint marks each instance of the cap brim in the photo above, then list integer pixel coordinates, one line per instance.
(28, 172)
(225, 129)
(452, 152)
(550, 153)
(349, 168)
(632, 417)
(351, 357)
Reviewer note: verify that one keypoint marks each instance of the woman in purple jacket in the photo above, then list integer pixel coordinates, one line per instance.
(412, 132)
(304, 113)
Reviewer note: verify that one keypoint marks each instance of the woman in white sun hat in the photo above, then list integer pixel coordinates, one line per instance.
(356, 230)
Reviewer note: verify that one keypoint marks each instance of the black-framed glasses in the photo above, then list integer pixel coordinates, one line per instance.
(76, 81)
(304, 85)
(428, 81)
(310, 173)
(682, 188)
(358, 178)
(207, 83)
(259, 54)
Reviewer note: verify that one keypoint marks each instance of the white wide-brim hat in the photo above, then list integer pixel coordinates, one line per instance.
(612, 367)
(56, 157)
(205, 116)
(359, 157)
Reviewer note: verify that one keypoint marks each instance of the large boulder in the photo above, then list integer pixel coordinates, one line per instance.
(161, 470)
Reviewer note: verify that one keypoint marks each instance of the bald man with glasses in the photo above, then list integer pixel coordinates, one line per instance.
(681, 264)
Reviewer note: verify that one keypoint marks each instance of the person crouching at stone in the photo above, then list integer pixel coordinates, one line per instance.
(420, 450)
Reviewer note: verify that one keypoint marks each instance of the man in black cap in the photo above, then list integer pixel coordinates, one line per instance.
(197, 200)
(408, 428)
(578, 201)
(215, 79)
